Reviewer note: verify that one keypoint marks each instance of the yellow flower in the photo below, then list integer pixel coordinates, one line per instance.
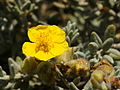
(46, 42)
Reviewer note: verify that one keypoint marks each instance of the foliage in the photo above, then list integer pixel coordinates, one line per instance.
(93, 35)
(71, 68)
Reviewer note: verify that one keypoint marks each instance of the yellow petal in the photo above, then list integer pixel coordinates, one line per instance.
(59, 48)
(29, 49)
(41, 55)
(58, 35)
(34, 32)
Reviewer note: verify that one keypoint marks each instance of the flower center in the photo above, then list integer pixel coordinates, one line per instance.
(44, 42)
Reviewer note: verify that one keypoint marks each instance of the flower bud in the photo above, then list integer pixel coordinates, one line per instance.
(29, 65)
(46, 72)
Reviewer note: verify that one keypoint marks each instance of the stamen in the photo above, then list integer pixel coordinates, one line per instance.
(44, 42)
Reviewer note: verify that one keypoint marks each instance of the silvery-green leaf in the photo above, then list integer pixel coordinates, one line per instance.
(93, 47)
(96, 38)
(109, 58)
(107, 44)
(110, 32)
(114, 53)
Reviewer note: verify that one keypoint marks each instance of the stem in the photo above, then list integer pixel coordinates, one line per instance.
(70, 85)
